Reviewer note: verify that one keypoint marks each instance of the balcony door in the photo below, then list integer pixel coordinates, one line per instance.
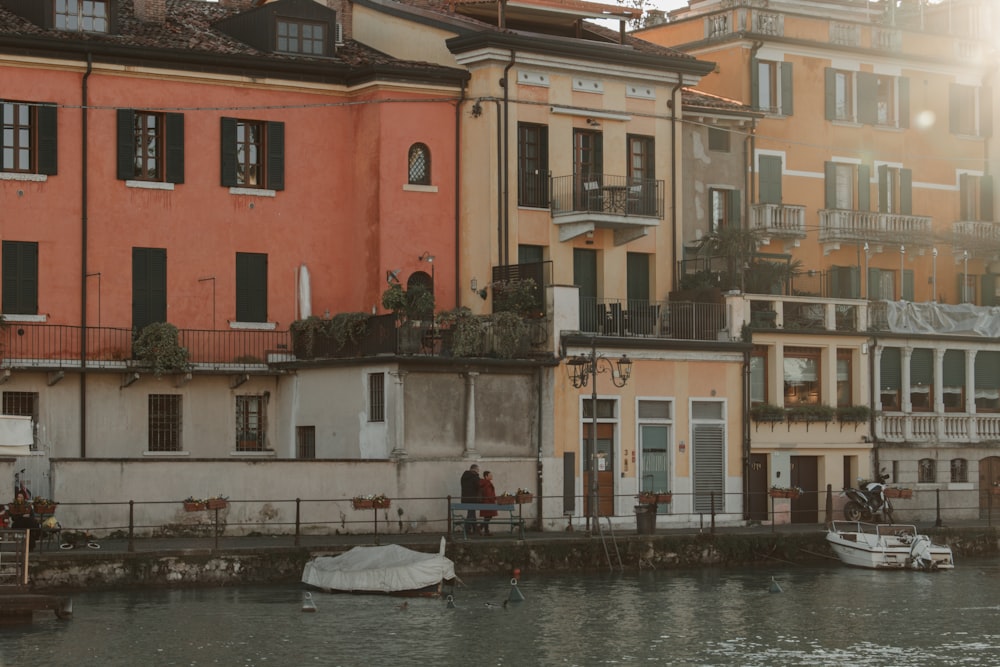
(585, 278)
(641, 175)
(149, 287)
(588, 165)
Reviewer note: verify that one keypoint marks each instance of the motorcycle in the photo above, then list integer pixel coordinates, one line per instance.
(865, 503)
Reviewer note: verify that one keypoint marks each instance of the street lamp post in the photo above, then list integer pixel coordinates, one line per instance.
(581, 368)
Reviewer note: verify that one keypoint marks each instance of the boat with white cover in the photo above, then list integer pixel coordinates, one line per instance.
(887, 546)
(391, 569)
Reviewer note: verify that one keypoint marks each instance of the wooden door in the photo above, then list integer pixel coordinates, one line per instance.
(605, 469)
(805, 475)
(757, 502)
(989, 474)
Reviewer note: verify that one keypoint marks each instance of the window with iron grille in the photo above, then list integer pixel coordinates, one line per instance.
(305, 442)
(164, 422)
(250, 423)
(926, 471)
(419, 165)
(376, 397)
(23, 404)
(959, 470)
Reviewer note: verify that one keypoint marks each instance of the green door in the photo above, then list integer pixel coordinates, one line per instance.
(149, 287)
(585, 277)
(654, 460)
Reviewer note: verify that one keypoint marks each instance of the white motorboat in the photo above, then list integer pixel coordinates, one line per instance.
(887, 546)
(391, 569)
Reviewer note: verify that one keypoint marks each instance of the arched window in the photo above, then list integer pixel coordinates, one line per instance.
(959, 470)
(927, 471)
(419, 162)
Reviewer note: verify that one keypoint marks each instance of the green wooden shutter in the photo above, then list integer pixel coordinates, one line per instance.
(20, 277)
(953, 368)
(276, 156)
(890, 374)
(637, 276)
(989, 283)
(769, 181)
(174, 148)
(599, 154)
(149, 287)
(734, 207)
(986, 111)
(48, 139)
(786, 89)
(908, 285)
(228, 150)
(906, 191)
(904, 101)
(987, 370)
(126, 144)
(954, 108)
(708, 454)
(251, 287)
(844, 283)
(985, 197)
(922, 367)
(883, 188)
(867, 98)
(963, 203)
(830, 99)
(864, 188)
(875, 285)
(830, 171)
(755, 84)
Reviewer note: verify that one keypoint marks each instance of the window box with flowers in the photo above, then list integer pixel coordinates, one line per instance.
(217, 503)
(784, 492)
(506, 498)
(19, 508)
(375, 501)
(44, 506)
(523, 496)
(192, 504)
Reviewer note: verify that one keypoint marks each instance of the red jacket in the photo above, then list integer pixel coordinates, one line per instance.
(487, 494)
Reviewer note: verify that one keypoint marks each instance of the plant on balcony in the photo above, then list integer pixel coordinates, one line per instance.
(510, 334)
(767, 412)
(743, 268)
(467, 334)
(856, 414)
(518, 295)
(811, 413)
(158, 346)
(416, 303)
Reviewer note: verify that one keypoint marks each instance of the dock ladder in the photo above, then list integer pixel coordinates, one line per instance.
(614, 543)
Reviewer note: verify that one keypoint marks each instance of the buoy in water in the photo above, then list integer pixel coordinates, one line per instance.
(775, 588)
(515, 594)
(307, 602)
(451, 602)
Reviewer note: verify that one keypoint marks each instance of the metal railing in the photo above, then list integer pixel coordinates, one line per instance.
(607, 194)
(638, 318)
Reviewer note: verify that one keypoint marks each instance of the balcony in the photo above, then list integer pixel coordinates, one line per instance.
(629, 207)
(980, 238)
(781, 221)
(57, 346)
(638, 318)
(799, 313)
(934, 428)
(838, 226)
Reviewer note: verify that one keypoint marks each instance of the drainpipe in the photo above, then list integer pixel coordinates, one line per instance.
(746, 433)
(83, 256)
(505, 151)
(673, 177)
(539, 466)
(749, 146)
(872, 394)
(500, 188)
(458, 198)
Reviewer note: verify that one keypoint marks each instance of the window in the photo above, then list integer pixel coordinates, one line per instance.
(641, 198)
(845, 282)
(840, 101)
(150, 146)
(419, 165)
(922, 379)
(20, 277)
(724, 205)
(882, 284)
(926, 471)
(976, 197)
(28, 137)
(532, 165)
(253, 154)
(967, 288)
(847, 186)
(295, 36)
(250, 423)
(802, 377)
(305, 442)
(970, 111)
(895, 187)
(164, 422)
(883, 99)
(251, 287)
(772, 87)
(987, 376)
(376, 397)
(758, 375)
(23, 404)
(844, 396)
(82, 15)
(718, 139)
(959, 470)
(953, 380)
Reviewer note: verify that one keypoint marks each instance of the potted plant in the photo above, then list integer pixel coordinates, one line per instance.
(158, 346)
(509, 334)
(19, 507)
(519, 296)
(856, 414)
(506, 498)
(192, 504)
(523, 496)
(811, 413)
(767, 412)
(217, 502)
(44, 505)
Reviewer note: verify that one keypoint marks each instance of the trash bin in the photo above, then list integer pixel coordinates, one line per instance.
(645, 519)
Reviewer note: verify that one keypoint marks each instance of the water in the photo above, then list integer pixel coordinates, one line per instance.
(824, 616)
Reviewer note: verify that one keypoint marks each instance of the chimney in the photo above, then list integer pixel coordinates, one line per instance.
(151, 11)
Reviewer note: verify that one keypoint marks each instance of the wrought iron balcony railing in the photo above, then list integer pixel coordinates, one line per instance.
(607, 195)
(639, 318)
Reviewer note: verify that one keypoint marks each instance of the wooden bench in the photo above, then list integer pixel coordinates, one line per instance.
(459, 511)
